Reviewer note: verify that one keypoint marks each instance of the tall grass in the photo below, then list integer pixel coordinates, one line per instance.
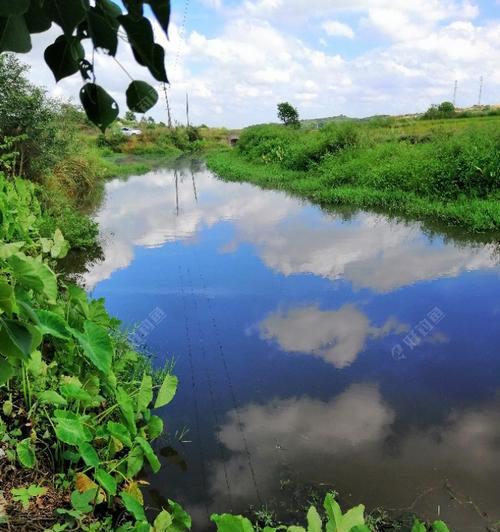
(449, 174)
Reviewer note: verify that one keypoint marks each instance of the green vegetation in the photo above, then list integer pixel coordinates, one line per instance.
(334, 520)
(77, 400)
(445, 171)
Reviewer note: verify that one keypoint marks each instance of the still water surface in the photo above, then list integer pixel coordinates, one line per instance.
(315, 350)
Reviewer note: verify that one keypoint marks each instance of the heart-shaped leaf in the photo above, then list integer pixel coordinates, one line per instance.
(26, 453)
(167, 391)
(67, 13)
(161, 10)
(141, 97)
(63, 57)
(14, 35)
(103, 29)
(133, 506)
(36, 18)
(96, 345)
(52, 324)
(100, 107)
(13, 7)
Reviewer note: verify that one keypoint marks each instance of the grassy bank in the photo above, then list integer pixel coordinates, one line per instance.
(442, 171)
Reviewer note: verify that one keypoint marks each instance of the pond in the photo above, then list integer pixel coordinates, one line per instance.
(315, 350)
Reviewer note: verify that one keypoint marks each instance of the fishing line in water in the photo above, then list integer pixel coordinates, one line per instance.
(210, 388)
(229, 380)
(193, 378)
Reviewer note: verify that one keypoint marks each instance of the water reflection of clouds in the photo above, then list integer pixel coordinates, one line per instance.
(303, 429)
(370, 251)
(352, 436)
(336, 336)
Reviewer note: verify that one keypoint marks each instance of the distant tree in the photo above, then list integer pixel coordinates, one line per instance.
(446, 107)
(288, 114)
(443, 110)
(130, 116)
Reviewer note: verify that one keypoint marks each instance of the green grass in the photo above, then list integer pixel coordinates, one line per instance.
(429, 170)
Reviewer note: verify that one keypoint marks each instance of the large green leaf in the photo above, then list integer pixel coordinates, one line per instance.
(181, 519)
(106, 481)
(67, 13)
(51, 323)
(84, 502)
(16, 339)
(163, 522)
(60, 247)
(161, 10)
(167, 391)
(14, 35)
(96, 345)
(418, 526)
(133, 506)
(100, 107)
(6, 371)
(13, 7)
(440, 526)
(231, 523)
(72, 431)
(36, 275)
(26, 453)
(352, 518)
(314, 523)
(52, 397)
(149, 454)
(135, 461)
(155, 427)
(7, 297)
(141, 97)
(103, 29)
(63, 56)
(145, 395)
(333, 511)
(127, 409)
(36, 18)
(72, 390)
(9, 249)
(89, 454)
(146, 51)
(120, 432)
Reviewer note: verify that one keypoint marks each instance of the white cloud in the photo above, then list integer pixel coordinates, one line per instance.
(410, 56)
(336, 336)
(371, 252)
(334, 28)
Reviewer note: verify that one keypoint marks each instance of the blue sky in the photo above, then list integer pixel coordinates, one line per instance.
(238, 58)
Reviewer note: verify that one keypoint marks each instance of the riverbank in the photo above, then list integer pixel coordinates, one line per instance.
(441, 172)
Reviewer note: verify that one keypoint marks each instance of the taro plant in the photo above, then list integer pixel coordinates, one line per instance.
(76, 397)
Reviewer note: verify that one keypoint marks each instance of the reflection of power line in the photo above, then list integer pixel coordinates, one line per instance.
(227, 373)
(193, 377)
(176, 176)
(208, 376)
(194, 187)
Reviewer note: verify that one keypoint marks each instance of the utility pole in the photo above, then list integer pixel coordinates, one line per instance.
(187, 109)
(480, 90)
(455, 93)
(169, 117)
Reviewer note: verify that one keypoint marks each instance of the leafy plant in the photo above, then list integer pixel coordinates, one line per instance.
(99, 23)
(24, 495)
